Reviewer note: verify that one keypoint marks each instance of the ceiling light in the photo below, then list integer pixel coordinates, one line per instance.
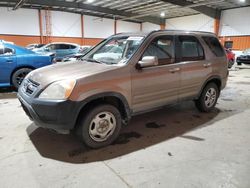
(242, 1)
(90, 1)
(163, 14)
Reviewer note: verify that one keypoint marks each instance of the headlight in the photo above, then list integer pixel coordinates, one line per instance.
(58, 90)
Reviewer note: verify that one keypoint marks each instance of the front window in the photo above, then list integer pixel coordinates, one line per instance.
(116, 50)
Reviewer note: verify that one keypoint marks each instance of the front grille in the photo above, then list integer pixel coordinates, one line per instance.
(29, 86)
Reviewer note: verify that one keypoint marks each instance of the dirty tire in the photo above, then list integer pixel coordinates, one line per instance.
(99, 121)
(230, 63)
(208, 98)
(19, 75)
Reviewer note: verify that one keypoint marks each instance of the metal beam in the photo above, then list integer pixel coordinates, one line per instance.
(211, 12)
(56, 3)
(19, 4)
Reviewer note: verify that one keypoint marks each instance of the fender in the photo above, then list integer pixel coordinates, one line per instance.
(108, 94)
(216, 77)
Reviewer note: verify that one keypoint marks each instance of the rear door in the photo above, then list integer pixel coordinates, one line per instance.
(157, 85)
(7, 64)
(195, 69)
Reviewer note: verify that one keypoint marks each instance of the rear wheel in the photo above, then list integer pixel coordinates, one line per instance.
(230, 63)
(208, 98)
(19, 75)
(100, 126)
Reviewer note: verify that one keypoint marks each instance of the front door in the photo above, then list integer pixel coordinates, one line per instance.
(158, 85)
(7, 64)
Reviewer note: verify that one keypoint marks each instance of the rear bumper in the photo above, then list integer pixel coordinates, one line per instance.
(56, 115)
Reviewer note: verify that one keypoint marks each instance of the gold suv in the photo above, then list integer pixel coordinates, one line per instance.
(124, 75)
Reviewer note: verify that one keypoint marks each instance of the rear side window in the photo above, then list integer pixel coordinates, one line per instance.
(190, 49)
(62, 46)
(72, 47)
(8, 51)
(214, 45)
(1, 51)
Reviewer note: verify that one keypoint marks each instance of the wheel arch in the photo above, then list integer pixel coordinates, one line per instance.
(18, 68)
(214, 79)
(113, 98)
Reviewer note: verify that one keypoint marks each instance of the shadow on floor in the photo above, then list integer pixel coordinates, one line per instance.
(143, 131)
(7, 93)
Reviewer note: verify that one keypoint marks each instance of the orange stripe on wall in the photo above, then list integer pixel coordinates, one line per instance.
(239, 43)
(23, 40)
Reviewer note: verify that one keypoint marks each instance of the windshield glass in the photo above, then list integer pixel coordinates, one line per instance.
(116, 50)
(247, 51)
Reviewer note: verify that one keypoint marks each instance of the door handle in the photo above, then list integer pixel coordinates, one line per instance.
(174, 70)
(9, 61)
(206, 65)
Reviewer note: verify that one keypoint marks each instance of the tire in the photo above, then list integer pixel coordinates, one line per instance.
(19, 75)
(208, 98)
(102, 121)
(239, 63)
(230, 63)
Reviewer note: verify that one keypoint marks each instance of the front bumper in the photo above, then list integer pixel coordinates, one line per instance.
(56, 115)
(244, 61)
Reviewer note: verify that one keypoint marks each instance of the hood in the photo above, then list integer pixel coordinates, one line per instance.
(72, 70)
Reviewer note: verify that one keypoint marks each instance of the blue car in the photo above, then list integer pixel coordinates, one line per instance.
(60, 50)
(16, 62)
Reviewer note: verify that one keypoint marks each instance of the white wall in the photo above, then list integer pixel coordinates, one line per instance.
(19, 22)
(197, 22)
(235, 22)
(147, 27)
(123, 26)
(65, 24)
(95, 27)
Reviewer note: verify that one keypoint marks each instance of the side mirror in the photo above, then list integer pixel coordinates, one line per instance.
(46, 49)
(147, 61)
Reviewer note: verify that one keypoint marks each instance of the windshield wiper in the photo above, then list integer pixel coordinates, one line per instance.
(93, 60)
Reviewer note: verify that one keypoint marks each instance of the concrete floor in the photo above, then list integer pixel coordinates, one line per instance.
(173, 147)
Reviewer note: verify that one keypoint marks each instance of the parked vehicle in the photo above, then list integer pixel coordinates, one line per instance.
(230, 58)
(74, 57)
(59, 49)
(34, 46)
(96, 97)
(85, 49)
(244, 58)
(16, 62)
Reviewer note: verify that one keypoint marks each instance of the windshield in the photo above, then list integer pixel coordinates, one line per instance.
(247, 51)
(116, 50)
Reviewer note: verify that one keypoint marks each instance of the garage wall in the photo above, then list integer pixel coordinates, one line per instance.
(123, 26)
(235, 22)
(234, 26)
(197, 22)
(65, 24)
(147, 27)
(95, 27)
(19, 22)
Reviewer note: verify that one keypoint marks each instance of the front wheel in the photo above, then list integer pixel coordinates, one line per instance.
(19, 75)
(208, 98)
(100, 126)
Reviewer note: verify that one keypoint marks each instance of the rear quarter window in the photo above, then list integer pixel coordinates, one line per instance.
(214, 45)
